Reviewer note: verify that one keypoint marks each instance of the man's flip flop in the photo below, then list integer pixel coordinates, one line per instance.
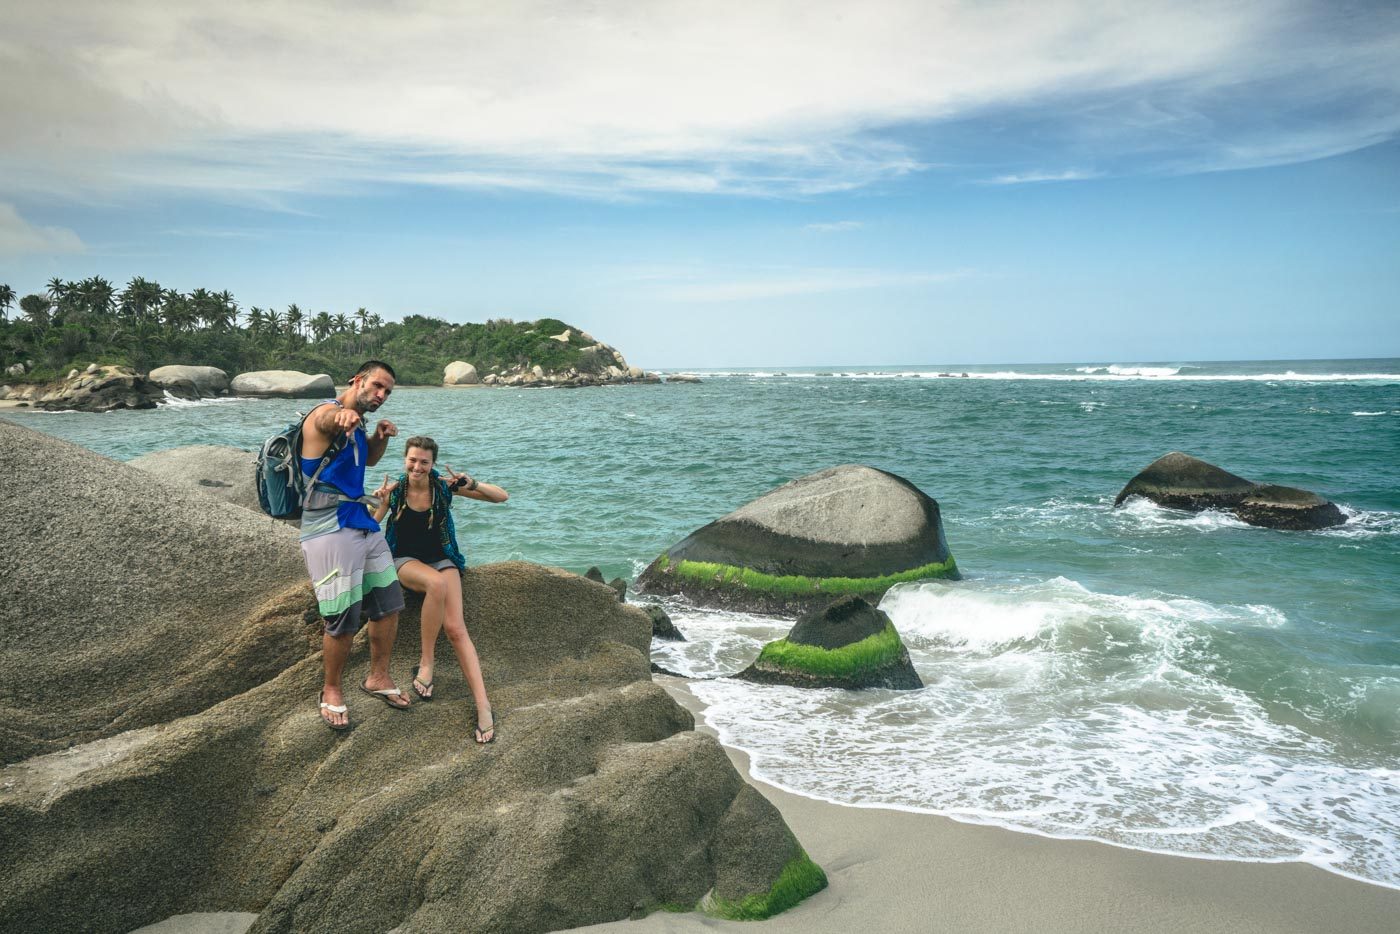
(333, 708)
(419, 687)
(384, 695)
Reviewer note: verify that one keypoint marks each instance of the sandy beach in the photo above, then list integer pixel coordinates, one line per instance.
(894, 871)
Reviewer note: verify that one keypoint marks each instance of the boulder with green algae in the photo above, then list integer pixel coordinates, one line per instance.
(1180, 481)
(223, 790)
(844, 530)
(850, 644)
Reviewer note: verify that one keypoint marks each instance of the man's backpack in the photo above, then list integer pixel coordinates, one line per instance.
(282, 487)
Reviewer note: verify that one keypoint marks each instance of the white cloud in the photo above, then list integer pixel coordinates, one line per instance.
(781, 97)
(834, 226)
(1024, 178)
(19, 236)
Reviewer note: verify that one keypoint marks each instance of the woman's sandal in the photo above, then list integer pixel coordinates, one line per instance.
(479, 732)
(419, 687)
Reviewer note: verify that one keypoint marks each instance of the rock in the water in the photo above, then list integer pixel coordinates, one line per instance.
(460, 373)
(283, 384)
(661, 625)
(1180, 481)
(682, 378)
(236, 797)
(620, 586)
(850, 644)
(111, 387)
(594, 574)
(848, 529)
(209, 380)
(1289, 508)
(215, 470)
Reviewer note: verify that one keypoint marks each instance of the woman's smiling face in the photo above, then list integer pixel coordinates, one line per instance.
(417, 463)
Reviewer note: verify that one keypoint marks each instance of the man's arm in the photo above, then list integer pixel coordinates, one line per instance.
(322, 424)
(380, 440)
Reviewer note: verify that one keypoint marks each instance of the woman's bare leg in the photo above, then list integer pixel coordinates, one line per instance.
(417, 576)
(456, 628)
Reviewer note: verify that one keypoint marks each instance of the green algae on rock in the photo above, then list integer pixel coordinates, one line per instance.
(850, 644)
(844, 530)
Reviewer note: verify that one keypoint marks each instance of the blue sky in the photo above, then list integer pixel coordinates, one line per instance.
(769, 183)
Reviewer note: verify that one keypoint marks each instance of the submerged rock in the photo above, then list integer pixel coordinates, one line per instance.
(283, 384)
(850, 644)
(847, 529)
(236, 797)
(1180, 481)
(661, 625)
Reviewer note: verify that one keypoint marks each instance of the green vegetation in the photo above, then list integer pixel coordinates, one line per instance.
(145, 326)
(703, 572)
(799, 879)
(869, 654)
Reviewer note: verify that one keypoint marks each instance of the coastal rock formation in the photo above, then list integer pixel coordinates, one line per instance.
(847, 529)
(460, 373)
(1180, 481)
(850, 644)
(210, 381)
(284, 384)
(225, 473)
(110, 387)
(189, 671)
(661, 625)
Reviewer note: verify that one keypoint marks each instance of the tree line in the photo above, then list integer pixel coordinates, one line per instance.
(145, 326)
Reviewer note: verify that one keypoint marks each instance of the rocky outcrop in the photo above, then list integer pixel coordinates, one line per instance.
(847, 529)
(225, 473)
(209, 381)
(188, 668)
(108, 388)
(661, 625)
(1180, 481)
(597, 365)
(460, 373)
(617, 584)
(283, 384)
(850, 644)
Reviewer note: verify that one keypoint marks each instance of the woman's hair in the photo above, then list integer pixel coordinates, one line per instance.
(424, 443)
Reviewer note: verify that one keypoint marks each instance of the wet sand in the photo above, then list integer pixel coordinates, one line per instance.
(893, 871)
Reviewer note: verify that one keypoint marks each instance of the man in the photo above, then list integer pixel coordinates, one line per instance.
(350, 564)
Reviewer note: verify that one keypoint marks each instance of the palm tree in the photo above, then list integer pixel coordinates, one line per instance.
(363, 316)
(375, 321)
(7, 298)
(321, 325)
(294, 319)
(228, 310)
(342, 323)
(36, 308)
(255, 320)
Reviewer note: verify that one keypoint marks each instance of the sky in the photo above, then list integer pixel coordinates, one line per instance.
(760, 183)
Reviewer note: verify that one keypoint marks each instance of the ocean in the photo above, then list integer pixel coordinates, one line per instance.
(1149, 678)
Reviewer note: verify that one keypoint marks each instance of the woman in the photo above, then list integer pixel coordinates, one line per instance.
(423, 539)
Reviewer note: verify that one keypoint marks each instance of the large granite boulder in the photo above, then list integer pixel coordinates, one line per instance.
(110, 387)
(208, 380)
(844, 530)
(188, 668)
(460, 373)
(289, 384)
(1180, 481)
(850, 644)
(223, 472)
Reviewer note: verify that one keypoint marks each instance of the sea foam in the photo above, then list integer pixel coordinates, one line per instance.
(1054, 709)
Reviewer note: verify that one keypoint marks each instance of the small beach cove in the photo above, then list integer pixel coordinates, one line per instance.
(1123, 674)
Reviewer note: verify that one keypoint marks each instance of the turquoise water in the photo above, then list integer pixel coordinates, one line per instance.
(1159, 680)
